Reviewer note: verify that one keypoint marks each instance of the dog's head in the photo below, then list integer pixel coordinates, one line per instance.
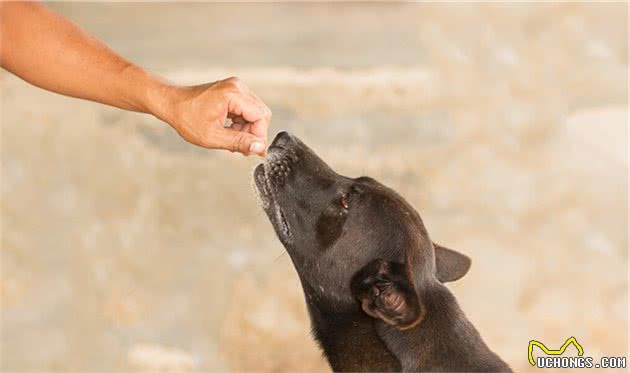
(353, 241)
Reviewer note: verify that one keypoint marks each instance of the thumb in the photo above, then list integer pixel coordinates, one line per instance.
(242, 142)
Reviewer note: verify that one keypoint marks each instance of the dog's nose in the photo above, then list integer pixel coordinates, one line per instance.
(284, 140)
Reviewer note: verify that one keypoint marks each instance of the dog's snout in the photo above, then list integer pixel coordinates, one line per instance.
(284, 140)
(281, 159)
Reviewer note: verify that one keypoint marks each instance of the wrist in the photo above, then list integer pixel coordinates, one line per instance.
(153, 95)
(134, 86)
(160, 99)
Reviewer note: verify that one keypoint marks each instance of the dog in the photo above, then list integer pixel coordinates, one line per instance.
(372, 278)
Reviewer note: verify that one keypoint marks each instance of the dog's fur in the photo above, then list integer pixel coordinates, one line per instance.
(372, 277)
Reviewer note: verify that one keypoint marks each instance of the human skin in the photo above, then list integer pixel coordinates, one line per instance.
(49, 51)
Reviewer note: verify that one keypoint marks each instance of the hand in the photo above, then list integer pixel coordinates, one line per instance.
(199, 114)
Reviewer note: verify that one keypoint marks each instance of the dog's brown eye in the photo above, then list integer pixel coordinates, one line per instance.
(345, 203)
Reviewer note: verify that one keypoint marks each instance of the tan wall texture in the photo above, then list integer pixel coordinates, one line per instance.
(126, 249)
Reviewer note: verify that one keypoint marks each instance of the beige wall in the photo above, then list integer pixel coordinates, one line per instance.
(126, 249)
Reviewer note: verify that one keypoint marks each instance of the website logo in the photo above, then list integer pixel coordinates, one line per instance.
(554, 358)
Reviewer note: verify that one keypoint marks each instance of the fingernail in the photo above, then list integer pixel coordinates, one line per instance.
(257, 147)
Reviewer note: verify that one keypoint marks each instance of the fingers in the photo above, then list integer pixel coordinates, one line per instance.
(252, 111)
(245, 104)
(199, 113)
(261, 126)
(238, 126)
(240, 141)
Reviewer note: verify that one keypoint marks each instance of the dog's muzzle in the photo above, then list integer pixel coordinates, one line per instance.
(272, 175)
(280, 162)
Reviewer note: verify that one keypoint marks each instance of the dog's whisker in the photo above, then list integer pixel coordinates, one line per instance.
(280, 256)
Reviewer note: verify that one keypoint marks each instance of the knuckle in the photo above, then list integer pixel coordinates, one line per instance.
(238, 143)
(233, 82)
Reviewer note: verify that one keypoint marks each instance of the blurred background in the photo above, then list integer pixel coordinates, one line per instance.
(126, 249)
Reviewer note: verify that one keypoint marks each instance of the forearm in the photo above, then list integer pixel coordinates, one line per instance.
(45, 49)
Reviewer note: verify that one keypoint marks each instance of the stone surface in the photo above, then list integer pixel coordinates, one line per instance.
(126, 249)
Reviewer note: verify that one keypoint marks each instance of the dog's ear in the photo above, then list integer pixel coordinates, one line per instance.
(449, 264)
(385, 291)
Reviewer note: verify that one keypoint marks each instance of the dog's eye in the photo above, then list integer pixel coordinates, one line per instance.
(344, 201)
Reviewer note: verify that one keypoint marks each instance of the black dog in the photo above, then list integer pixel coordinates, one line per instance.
(372, 277)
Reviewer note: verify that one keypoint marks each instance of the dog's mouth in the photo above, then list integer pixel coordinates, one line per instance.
(269, 180)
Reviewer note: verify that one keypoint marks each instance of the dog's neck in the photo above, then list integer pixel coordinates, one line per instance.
(351, 344)
(445, 340)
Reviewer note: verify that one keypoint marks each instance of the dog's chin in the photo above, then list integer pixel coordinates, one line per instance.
(268, 192)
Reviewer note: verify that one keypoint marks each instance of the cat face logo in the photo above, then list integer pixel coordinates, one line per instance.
(560, 351)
